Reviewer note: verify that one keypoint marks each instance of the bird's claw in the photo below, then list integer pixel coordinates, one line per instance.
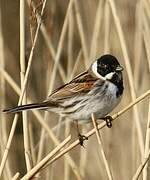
(82, 138)
(108, 120)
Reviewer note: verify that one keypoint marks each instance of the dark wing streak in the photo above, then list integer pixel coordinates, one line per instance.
(72, 89)
(80, 76)
(81, 83)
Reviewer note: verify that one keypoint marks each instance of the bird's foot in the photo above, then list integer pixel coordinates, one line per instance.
(82, 138)
(108, 120)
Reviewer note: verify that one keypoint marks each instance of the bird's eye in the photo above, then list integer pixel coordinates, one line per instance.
(103, 65)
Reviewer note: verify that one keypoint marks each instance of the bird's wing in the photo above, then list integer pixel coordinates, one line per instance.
(80, 84)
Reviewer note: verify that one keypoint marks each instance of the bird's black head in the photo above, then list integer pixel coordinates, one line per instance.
(106, 66)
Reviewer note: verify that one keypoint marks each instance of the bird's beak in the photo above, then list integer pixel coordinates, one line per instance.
(119, 68)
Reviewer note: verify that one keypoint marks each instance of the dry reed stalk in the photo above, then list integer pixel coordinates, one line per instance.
(49, 173)
(146, 6)
(7, 174)
(66, 165)
(10, 81)
(101, 125)
(60, 46)
(96, 30)
(66, 171)
(100, 145)
(3, 122)
(81, 33)
(138, 41)
(70, 43)
(146, 39)
(6, 151)
(77, 61)
(49, 44)
(31, 139)
(22, 75)
(147, 138)
(107, 23)
(84, 154)
(140, 168)
(147, 44)
(42, 122)
(31, 55)
(16, 176)
(44, 161)
(58, 130)
(129, 72)
(137, 56)
(12, 131)
(41, 141)
(147, 145)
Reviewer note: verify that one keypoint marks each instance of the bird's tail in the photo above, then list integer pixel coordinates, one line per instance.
(42, 105)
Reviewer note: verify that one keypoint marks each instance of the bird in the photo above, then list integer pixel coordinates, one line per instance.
(98, 90)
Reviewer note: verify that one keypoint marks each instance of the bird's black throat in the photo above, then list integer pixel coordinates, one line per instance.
(117, 79)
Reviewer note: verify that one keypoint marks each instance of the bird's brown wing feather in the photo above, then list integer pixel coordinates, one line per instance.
(80, 84)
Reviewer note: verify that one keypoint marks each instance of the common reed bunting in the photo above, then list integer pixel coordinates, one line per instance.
(97, 90)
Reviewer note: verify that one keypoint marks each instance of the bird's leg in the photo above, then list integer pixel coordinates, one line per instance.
(108, 120)
(81, 137)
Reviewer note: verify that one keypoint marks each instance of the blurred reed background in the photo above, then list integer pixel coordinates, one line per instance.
(72, 34)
